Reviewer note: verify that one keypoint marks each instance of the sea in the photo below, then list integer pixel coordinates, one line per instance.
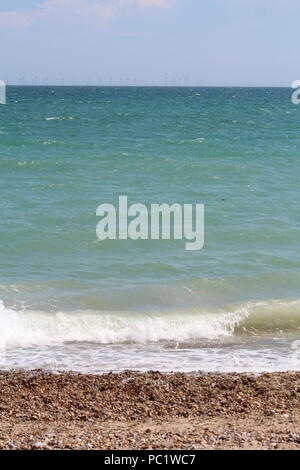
(72, 302)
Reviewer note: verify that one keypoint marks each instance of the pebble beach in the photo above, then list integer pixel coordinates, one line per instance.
(130, 410)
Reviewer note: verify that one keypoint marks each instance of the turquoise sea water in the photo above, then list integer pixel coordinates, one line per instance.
(70, 301)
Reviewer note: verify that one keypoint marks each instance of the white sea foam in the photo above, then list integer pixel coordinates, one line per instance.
(235, 339)
(29, 327)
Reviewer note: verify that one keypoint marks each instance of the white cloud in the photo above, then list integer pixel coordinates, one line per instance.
(19, 19)
(13, 19)
(102, 9)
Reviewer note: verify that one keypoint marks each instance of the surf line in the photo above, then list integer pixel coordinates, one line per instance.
(159, 222)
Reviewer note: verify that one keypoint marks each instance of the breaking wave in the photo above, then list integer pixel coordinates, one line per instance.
(29, 327)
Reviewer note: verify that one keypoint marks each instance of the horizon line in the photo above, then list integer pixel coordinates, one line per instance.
(138, 86)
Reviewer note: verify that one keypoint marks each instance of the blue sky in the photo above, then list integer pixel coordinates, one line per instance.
(205, 42)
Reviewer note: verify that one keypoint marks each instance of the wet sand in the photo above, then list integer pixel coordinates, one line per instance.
(40, 410)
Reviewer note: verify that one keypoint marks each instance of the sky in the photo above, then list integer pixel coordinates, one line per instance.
(150, 42)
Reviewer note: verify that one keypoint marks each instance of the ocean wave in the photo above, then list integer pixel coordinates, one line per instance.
(29, 327)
